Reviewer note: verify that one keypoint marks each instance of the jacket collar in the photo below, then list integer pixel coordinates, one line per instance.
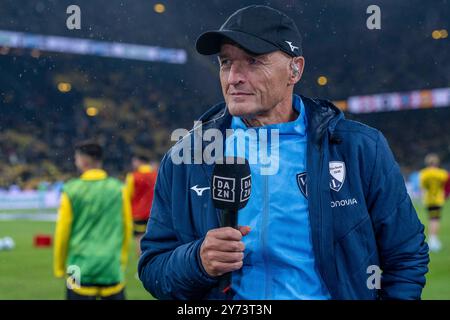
(94, 174)
(322, 116)
(145, 168)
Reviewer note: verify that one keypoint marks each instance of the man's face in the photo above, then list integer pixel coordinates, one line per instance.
(135, 163)
(80, 161)
(253, 85)
(83, 162)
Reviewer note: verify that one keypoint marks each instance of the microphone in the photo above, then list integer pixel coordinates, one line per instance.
(231, 187)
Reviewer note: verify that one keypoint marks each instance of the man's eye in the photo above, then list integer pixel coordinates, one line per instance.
(252, 61)
(224, 62)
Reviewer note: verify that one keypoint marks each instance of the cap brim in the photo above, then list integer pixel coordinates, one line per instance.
(210, 42)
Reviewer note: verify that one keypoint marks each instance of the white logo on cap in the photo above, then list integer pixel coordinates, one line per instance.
(290, 45)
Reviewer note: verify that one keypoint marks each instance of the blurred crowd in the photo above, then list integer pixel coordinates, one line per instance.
(40, 124)
(413, 134)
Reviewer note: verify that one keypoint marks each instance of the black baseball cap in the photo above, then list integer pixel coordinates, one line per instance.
(257, 29)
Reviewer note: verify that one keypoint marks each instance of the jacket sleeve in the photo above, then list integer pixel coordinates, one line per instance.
(62, 235)
(129, 184)
(399, 233)
(127, 228)
(169, 268)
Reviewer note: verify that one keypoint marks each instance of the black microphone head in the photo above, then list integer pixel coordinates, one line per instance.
(231, 183)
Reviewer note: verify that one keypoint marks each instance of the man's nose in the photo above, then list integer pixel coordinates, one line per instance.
(236, 74)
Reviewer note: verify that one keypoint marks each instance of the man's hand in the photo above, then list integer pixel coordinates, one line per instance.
(222, 251)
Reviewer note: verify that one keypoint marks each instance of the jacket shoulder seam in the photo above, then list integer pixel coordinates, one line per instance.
(368, 135)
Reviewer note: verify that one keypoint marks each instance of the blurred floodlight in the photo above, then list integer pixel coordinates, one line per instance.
(436, 34)
(322, 80)
(92, 111)
(159, 8)
(64, 87)
(439, 34)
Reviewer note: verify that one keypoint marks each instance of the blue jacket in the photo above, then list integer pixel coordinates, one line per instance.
(369, 221)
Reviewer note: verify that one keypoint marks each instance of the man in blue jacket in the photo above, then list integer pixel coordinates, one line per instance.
(333, 221)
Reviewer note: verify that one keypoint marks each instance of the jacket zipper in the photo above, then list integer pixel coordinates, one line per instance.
(321, 244)
(264, 233)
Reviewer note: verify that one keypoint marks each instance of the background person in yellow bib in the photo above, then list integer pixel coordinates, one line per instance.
(93, 230)
(432, 182)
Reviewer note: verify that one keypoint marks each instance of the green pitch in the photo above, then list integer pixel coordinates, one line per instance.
(438, 277)
(26, 272)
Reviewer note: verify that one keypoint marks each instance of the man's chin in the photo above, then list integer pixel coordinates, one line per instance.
(240, 109)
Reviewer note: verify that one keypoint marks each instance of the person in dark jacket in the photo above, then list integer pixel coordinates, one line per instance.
(332, 220)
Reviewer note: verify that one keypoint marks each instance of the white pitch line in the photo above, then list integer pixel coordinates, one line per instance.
(28, 216)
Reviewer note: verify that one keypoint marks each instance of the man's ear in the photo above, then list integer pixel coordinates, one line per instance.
(297, 67)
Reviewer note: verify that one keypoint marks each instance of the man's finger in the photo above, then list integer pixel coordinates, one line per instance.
(227, 233)
(220, 268)
(227, 257)
(225, 245)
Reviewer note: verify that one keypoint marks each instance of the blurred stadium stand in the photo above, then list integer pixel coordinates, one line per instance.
(50, 100)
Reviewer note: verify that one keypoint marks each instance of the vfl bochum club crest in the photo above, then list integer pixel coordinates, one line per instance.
(301, 182)
(337, 172)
